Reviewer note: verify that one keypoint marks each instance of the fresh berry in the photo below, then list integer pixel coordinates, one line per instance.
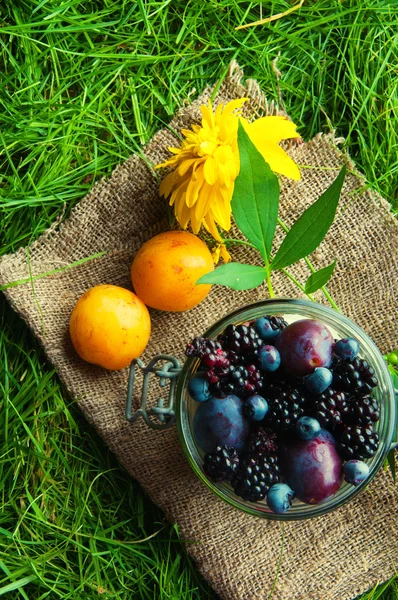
(305, 345)
(217, 359)
(261, 439)
(279, 498)
(198, 388)
(347, 348)
(356, 377)
(241, 339)
(358, 442)
(362, 410)
(329, 408)
(318, 381)
(269, 327)
(355, 471)
(221, 464)
(269, 358)
(243, 381)
(312, 468)
(286, 405)
(201, 346)
(255, 475)
(307, 428)
(255, 408)
(220, 422)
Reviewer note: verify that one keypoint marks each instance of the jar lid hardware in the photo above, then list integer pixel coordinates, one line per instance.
(167, 369)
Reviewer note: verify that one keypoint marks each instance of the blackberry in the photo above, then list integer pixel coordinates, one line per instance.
(354, 376)
(241, 339)
(358, 442)
(277, 323)
(286, 404)
(262, 440)
(362, 410)
(236, 379)
(221, 464)
(256, 473)
(201, 346)
(329, 408)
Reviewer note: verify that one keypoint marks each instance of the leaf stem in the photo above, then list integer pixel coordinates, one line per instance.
(297, 283)
(238, 242)
(313, 270)
(269, 283)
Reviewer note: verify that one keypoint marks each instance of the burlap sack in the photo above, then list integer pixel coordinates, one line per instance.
(330, 558)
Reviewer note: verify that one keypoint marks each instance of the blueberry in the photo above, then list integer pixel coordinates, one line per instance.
(265, 330)
(347, 349)
(279, 498)
(319, 380)
(307, 428)
(255, 408)
(355, 471)
(198, 388)
(269, 358)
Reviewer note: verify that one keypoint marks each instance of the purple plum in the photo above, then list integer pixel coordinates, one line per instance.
(312, 468)
(305, 345)
(220, 422)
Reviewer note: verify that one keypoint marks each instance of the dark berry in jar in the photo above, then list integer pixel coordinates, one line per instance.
(356, 471)
(255, 475)
(318, 381)
(221, 464)
(307, 428)
(269, 327)
(279, 498)
(347, 348)
(198, 388)
(269, 359)
(255, 408)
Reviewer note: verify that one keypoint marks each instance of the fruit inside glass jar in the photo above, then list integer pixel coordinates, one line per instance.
(283, 409)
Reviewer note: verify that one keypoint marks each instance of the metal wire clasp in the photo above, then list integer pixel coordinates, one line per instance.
(167, 371)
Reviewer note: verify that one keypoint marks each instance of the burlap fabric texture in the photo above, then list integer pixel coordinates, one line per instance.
(330, 558)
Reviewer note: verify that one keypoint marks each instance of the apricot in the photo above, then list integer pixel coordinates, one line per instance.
(166, 268)
(109, 326)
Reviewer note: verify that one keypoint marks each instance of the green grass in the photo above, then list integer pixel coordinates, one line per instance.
(84, 84)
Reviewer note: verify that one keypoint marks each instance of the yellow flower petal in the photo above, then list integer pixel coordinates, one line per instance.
(207, 115)
(167, 185)
(225, 254)
(220, 209)
(278, 160)
(194, 187)
(210, 170)
(273, 129)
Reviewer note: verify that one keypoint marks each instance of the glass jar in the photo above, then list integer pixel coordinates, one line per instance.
(340, 327)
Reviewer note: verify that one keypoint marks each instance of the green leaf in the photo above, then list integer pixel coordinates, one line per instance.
(235, 276)
(310, 229)
(255, 201)
(319, 278)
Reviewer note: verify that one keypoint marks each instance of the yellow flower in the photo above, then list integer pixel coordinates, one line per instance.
(206, 165)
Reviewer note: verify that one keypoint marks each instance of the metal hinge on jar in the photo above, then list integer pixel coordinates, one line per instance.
(167, 369)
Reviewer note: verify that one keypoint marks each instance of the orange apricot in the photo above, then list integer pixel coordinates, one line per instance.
(109, 326)
(166, 268)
